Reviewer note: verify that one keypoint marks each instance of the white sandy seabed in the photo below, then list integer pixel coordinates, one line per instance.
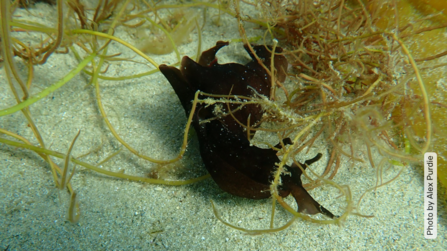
(123, 215)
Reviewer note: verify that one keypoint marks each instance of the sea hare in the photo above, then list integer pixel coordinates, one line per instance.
(236, 166)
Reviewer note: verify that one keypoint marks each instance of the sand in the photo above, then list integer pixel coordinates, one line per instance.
(123, 215)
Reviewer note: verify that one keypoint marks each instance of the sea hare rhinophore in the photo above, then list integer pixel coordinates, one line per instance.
(236, 166)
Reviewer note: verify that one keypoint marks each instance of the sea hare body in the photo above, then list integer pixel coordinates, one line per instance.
(236, 166)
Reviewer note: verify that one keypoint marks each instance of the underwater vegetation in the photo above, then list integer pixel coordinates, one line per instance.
(348, 75)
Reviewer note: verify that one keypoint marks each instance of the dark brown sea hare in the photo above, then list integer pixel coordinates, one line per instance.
(236, 166)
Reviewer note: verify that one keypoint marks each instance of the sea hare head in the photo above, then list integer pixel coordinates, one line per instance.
(236, 166)
(210, 77)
